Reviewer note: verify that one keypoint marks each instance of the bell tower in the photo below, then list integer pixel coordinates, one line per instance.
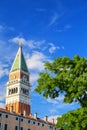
(18, 86)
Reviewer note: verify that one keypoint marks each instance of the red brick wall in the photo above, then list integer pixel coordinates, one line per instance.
(19, 107)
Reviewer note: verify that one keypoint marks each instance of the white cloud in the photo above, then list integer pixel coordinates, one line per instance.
(56, 100)
(50, 118)
(34, 77)
(3, 69)
(17, 39)
(2, 105)
(5, 56)
(36, 61)
(52, 101)
(58, 106)
(35, 44)
(3, 72)
(65, 106)
(53, 48)
(32, 44)
(39, 44)
(2, 95)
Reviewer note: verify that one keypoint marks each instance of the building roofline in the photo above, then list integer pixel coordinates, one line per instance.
(28, 117)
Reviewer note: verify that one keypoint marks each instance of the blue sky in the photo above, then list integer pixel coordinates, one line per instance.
(48, 29)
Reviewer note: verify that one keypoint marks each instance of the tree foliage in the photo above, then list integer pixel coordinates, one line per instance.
(67, 76)
(74, 120)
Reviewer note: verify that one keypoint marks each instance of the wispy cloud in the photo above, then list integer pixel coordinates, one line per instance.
(32, 44)
(39, 44)
(53, 48)
(63, 47)
(56, 100)
(35, 44)
(4, 28)
(2, 105)
(65, 28)
(1, 28)
(68, 26)
(52, 101)
(17, 40)
(53, 19)
(59, 105)
(52, 111)
(41, 9)
(2, 95)
(3, 69)
(34, 77)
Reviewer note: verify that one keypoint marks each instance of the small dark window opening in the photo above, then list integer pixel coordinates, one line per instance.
(5, 127)
(0, 126)
(0, 114)
(22, 120)
(38, 123)
(6, 116)
(28, 121)
(42, 125)
(34, 122)
(16, 127)
(16, 118)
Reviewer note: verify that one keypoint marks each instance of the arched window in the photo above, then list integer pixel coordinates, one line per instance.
(9, 92)
(16, 90)
(23, 90)
(27, 92)
(24, 78)
(12, 91)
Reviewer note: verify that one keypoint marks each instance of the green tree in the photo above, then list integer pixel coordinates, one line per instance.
(67, 76)
(74, 120)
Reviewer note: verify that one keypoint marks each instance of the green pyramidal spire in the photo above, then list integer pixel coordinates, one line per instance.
(19, 62)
